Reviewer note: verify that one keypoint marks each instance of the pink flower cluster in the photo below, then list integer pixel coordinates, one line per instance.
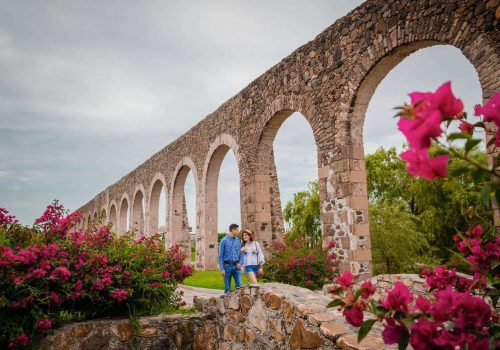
(6, 219)
(421, 122)
(65, 270)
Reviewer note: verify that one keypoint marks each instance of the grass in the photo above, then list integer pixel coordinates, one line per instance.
(210, 279)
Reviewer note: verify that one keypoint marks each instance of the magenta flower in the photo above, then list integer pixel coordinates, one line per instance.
(44, 324)
(119, 295)
(442, 101)
(369, 289)
(354, 316)
(422, 304)
(466, 127)
(419, 131)
(423, 333)
(20, 340)
(346, 280)
(392, 331)
(398, 299)
(61, 273)
(420, 164)
(490, 111)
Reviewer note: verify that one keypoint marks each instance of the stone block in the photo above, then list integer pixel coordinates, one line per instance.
(333, 330)
(234, 301)
(350, 342)
(272, 300)
(302, 310)
(302, 338)
(257, 316)
(230, 332)
(316, 319)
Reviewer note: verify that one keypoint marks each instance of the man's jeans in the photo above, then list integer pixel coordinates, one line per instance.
(231, 271)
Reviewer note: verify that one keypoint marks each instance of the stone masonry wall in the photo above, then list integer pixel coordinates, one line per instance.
(330, 81)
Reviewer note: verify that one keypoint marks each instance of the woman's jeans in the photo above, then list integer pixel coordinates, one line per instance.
(231, 271)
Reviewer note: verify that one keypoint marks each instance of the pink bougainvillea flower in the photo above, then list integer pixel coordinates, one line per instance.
(423, 333)
(442, 101)
(465, 127)
(119, 294)
(393, 331)
(44, 325)
(20, 340)
(420, 131)
(61, 273)
(368, 289)
(398, 299)
(346, 280)
(490, 111)
(419, 164)
(354, 316)
(422, 304)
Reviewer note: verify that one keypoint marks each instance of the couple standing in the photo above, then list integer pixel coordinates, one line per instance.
(234, 254)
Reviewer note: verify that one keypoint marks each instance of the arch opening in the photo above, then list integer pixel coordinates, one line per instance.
(124, 217)
(113, 218)
(138, 221)
(158, 208)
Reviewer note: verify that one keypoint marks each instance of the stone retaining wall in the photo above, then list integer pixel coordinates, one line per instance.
(270, 316)
(197, 332)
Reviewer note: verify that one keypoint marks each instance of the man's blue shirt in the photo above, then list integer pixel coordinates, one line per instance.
(230, 250)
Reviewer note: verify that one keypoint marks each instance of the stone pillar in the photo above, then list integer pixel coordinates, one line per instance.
(277, 223)
(344, 208)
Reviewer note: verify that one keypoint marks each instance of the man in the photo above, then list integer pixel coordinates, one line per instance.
(230, 258)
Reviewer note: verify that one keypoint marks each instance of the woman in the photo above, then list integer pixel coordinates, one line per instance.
(253, 258)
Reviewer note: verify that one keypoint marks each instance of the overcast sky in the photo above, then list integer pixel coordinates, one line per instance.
(91, 89)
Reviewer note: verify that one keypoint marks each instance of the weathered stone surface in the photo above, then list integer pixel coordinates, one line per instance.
(272, 300)
(258, 315)
(349, 342)
(123, 330)
(316, 319)
(302, 338)
(230, 332)
(236, 316)
(302, 310)
(246, 304)
(206, 338)
(234, 301)
(333, 330)
(82, 330)
(288, 311)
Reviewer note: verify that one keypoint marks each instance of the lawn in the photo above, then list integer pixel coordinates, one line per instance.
(209, 279)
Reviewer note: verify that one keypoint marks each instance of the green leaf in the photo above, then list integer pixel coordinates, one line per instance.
(458, 135)
(335, 302)
(358, 293)
(486, 195)
(365, 328)
(470, 144)
(403, 341)
(460, 170)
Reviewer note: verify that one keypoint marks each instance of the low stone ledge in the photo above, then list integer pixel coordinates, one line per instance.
(196, 331)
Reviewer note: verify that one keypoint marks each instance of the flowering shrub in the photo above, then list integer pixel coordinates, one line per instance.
(50, 274)
(463, 313)
(300, 265)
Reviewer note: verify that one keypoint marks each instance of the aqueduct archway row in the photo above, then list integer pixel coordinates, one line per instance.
(330, 80)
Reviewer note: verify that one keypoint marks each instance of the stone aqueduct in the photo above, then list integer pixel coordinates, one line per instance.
(330, 81)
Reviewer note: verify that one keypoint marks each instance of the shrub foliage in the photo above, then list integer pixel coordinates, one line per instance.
(50, 274)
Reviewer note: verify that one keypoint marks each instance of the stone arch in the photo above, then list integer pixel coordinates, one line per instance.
(267, 214)
(138, 211)
(113, 216)
(103, 216)
(89, 221)
(157, 184)
(207, 248)
(95, 217)
(123, 216)
(178, 223)
(377, 62)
